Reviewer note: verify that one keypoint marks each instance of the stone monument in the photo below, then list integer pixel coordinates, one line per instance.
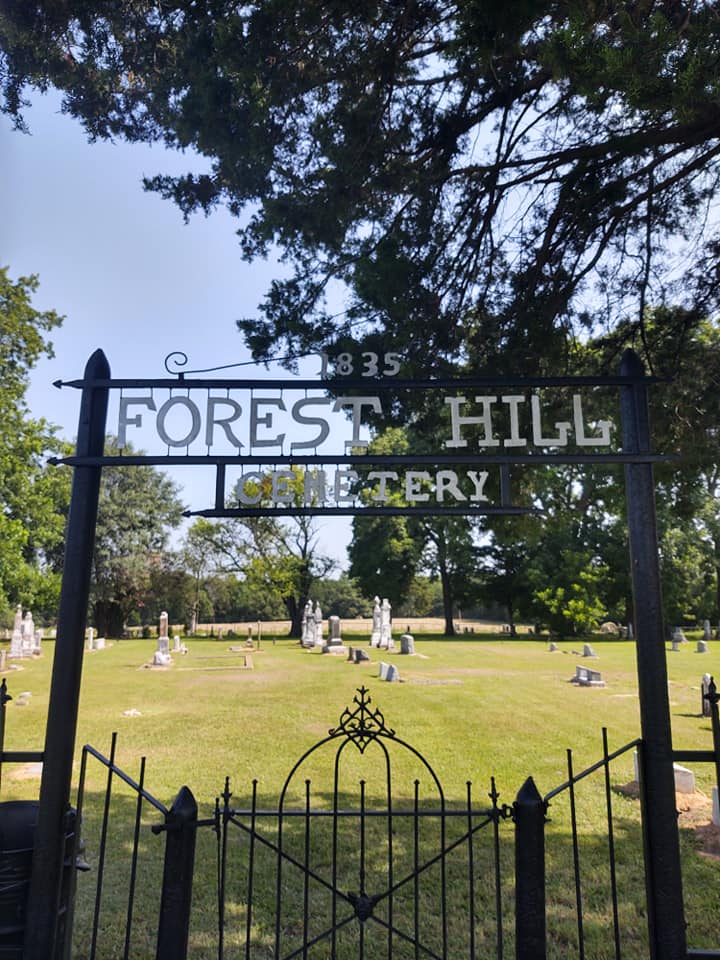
(16, 642)
(335, 644)
(376, 624)
(386, 639)
(162, 656)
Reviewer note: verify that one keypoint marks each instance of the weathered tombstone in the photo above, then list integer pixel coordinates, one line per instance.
(588, 651)
(99, 643)
(319, 625)
(553, 647)
(37, 643)
(361, 656)
(707, 630)
(178, 647)
(17, 634)
(162, 656)
(28, 635)
(91, 638)
(675, 648)
(376, 624)
(393, 674)
(386, 638)
(3, 660)
(585, 677)
(351, 654)
(678, 635)
(335, 644)
(383, 669)
(704, 690)
(684, 778)
(407, 643)
(630, 631)
(307, 618)
(702, 646)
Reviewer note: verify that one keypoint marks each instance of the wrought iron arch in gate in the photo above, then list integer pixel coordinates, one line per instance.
(359, 388)
(376, 871)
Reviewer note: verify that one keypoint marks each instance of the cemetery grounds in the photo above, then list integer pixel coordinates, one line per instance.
(476, 707)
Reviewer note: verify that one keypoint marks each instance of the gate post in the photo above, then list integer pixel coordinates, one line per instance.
(663, 873)
(49, 853)
(174, 925)
(529, 817)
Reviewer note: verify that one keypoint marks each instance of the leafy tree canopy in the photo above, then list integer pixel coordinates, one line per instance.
(476, 174)
(33, 497)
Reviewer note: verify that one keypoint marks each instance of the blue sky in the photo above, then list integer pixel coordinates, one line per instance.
(122, 267)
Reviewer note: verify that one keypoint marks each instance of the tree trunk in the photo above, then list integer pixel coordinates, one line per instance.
(295, 614)
(447, 593)
(109, 619)
(511, 618)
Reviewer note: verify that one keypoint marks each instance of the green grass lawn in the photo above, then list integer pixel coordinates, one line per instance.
(474, 708)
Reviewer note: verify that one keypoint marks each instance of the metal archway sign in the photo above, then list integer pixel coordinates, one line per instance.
(272, 445)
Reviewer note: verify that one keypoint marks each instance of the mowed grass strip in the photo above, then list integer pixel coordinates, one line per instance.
(474, 708)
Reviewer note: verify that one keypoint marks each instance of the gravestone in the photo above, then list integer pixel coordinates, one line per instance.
(361, 656)
(553, 647)
(28, 635)
(162, 657)
(178, 647)
(702, 646)
(319, 626)
(704, 690)
(389, 672)
(90, 638)
(585, 677)
(376, 623)
(17, 636)
(307, 617)
(99, 643)
(3, 660)
(407, 643)
(678, 635)
(684, 778)
(334, 644)
(386, 638)
(707, 630)
(37, 643)
(630, 631)
(588, 651)
(675, 648)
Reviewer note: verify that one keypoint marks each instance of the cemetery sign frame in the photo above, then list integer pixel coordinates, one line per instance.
(397, 484)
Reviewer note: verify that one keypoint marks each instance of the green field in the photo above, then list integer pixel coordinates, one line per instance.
(474, 709)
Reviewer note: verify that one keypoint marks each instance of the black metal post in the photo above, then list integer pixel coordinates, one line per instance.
(174, 925)
(48, 854)
(663, 872)
(529, 817)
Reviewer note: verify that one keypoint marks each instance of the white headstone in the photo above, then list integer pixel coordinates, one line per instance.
(319, 626)
(702, 646)
(383, 670)
(90, 638)
(386, 639)
(588, 651)
(707, 630)
(705, 688)
(28, 634)
(407, 643)
(376, 624)
(17, 634)
(393, 674)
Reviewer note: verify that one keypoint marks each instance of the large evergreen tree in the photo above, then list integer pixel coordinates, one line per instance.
(475, 173)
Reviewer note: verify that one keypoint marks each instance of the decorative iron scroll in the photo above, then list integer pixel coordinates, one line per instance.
(362, 725)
